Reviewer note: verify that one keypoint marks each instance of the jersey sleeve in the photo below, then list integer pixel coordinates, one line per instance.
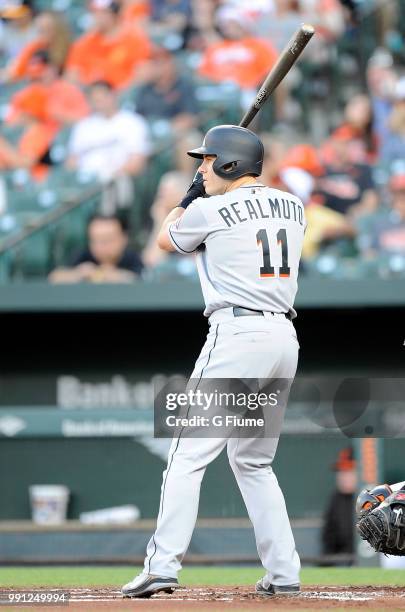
(190, 230)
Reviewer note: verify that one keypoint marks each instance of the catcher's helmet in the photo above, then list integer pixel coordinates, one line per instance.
(238, 151)
(370, 499)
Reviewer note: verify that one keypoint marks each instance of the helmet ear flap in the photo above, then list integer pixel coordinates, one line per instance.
(225, 170)
(229, 167)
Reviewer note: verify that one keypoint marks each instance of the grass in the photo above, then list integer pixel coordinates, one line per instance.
(116, 576)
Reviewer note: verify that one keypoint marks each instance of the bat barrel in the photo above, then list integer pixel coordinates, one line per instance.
(287, 58)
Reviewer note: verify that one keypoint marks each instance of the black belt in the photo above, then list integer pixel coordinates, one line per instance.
(238, 311)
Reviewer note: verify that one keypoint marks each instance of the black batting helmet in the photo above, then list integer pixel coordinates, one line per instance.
(238, 151)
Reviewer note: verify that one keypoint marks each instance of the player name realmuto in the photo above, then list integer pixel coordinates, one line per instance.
(218, 420)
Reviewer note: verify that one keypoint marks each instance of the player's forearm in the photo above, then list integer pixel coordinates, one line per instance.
(163, 239)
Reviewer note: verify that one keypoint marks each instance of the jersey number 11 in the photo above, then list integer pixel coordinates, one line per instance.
(267, 270)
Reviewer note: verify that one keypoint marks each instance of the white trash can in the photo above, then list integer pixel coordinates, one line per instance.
(49, 504)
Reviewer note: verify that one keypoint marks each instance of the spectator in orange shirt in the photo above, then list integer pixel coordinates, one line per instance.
(239, 56)
(62, 101)
(53, 36)
(31, 152)
(109, 52)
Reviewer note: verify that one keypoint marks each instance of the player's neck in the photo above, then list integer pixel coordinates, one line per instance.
(243, 181)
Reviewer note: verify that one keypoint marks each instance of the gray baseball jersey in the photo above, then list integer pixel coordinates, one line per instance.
(248, 244)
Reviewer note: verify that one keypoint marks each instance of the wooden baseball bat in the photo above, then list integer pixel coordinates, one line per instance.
(286, 60)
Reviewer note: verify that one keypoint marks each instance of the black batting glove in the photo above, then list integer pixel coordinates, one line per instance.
(196, 190)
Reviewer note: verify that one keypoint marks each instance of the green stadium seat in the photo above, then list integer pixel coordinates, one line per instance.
(9, 225)
(68, 184)
(69, 233)
(12, 133)
(32, 257)
(28, 258)
(34, 199)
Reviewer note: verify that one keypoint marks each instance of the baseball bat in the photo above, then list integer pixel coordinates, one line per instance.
(286, 60)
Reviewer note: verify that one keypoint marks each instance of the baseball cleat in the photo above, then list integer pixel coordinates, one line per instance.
(287, 590)
(146, 585)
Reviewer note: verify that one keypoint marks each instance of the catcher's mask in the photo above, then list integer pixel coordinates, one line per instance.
(238, 151)
(369, 499)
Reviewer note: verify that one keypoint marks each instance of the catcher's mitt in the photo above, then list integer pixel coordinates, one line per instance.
(381, 519)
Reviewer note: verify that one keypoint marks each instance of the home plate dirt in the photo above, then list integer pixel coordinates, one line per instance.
(237, 599)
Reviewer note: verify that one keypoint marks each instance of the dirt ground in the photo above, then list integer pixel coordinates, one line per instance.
(218, 599)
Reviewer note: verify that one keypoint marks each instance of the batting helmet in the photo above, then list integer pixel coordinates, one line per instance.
(238, 151)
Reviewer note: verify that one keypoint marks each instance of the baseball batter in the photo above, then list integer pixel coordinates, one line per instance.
(248, 240)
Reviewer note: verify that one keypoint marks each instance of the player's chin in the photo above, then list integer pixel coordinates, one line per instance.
(211, 190)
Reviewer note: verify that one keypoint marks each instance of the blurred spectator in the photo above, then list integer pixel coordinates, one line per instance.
(280, 24)
(357, 126)
(327, 17)
(346, 186)
(166, 94)
(53, 35)
(110, 143)
(17, 28)
(202, 29)
(135, 13)
(275, 150)
(252, 11)
(324, 226)
(109, 51)
(358, 122)
(107, 259)
(184, 163)
(351, 12)
(299, 170)
(338, 527)
(171, 190)
(239, 56)
(387, 16)
(393, 147)
(171, 18)
(32, 149)
(344, 192)
(62, 101)
(386, 231)
(381, 82)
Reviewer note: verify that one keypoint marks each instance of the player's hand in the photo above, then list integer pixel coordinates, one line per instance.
(196, 190)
